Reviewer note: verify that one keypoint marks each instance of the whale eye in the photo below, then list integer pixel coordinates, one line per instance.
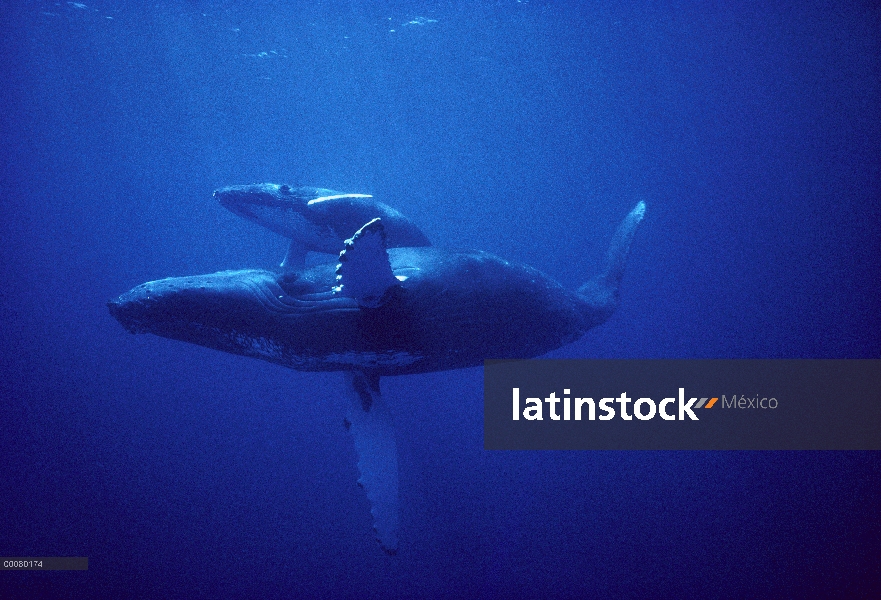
(285, 189)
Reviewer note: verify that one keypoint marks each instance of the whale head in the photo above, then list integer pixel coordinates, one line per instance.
(282, 209)
(243, 312)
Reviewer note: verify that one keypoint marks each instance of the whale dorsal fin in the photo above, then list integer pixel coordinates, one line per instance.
(364, 272)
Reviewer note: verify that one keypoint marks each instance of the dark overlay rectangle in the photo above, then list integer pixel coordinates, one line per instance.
(44, 563)
(682, 404)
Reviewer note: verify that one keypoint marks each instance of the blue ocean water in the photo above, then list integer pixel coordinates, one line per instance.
(527, 129)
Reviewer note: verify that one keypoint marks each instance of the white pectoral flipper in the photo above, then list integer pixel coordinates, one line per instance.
(370, 424)
(364, 272)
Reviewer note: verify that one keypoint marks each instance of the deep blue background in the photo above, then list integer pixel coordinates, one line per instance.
(526, 129)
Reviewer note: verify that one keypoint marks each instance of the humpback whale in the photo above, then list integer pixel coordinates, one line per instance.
(380, 311)
(316, 219)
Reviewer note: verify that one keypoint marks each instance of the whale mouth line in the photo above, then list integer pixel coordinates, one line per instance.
(275, 196)
(241, 203)
(132, 325)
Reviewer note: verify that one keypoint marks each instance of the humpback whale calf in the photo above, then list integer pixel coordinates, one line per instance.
(316, 219)
(381, 311)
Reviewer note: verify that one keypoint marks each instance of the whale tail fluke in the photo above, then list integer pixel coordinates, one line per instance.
(601, 292)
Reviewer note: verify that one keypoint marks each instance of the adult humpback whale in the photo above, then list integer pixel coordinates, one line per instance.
(316, 219)
(380, 311)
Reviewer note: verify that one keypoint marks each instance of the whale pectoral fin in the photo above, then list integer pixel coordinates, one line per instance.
(364, 271)
(295, 259)
(330, 197)
(601, 292)
(370, 424)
